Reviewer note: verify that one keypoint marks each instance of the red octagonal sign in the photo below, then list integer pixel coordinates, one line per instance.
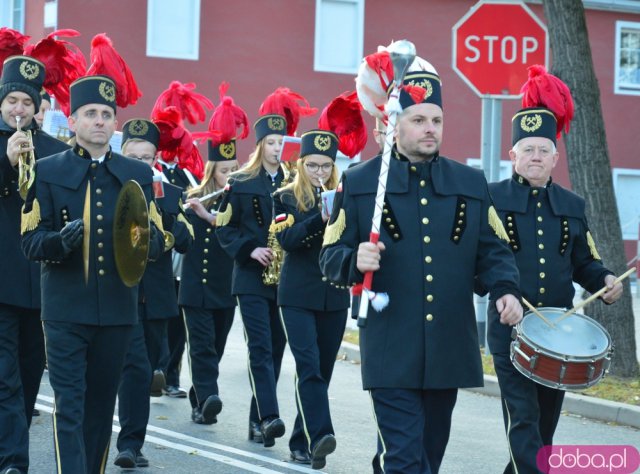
(494, 43)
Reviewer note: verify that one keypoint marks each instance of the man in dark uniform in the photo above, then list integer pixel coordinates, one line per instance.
(21, 342)
(439, 232)
(553, 247)
(157, 301)
(88, 312)
(171, 362)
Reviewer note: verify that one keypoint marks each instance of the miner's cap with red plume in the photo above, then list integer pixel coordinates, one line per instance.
(93, 90)
(22, 74)
(140, 129)
(420, 87)
(270, 124)
(547, 107)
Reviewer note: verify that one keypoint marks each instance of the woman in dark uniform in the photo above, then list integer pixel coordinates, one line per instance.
(205, 289)
(313, 310)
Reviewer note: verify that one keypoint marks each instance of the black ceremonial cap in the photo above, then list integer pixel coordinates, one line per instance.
(319, 142)
(141, 129)
(93, 90)
(23, 74)
(533, 122)
(429, 81)
(222, 151)
(270, 124)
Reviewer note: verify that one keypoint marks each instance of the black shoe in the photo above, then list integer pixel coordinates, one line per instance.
(36, 412)
(12, 470)
(174, 392)
(158, 382)
(321, 450)
(299, 456)
(126, 459)
(255, 434)
(141, 460)
(210, 408)
(271, 427)
(197, 417)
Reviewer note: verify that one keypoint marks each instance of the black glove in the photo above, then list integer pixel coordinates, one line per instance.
(72, 234)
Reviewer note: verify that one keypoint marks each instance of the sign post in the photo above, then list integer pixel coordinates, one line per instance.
(493, 45)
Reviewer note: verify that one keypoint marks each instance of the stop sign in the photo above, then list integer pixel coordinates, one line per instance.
(494, 43)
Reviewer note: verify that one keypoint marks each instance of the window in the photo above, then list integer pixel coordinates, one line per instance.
(12, 14)
(173, 29)
(51, 14)
(506, 167)
(627, 67)
(626, 183)
(339, 35)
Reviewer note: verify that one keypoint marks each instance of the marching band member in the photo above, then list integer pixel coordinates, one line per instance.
(181, 165)
(314, 310)
(438, 234)
(22, 356)
(88, 312)
(243, 229)
(550, 239)
(205, 285)
(157, 301)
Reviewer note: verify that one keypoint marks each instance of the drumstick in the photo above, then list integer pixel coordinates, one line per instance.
(597, 294)
(537, 313)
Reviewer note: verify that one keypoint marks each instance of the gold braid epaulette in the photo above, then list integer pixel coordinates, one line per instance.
(280, 226)
(496, 224)
(334, 231)
(592, 246)
(155, 217)
(185, 221)
(31, 219)
(223, 218)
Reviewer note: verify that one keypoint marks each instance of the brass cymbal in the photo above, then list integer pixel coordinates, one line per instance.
(131, 233)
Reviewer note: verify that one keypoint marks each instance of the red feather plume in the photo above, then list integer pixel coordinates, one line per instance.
(176, 143)
(343, 116)
(106, 60)
(289, 104)
(63, 62)
(11, 43)
(381, 64)
(190, 103)
(229, 121)
(546, 90)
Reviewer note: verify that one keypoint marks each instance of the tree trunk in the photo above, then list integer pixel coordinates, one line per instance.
(590, 168)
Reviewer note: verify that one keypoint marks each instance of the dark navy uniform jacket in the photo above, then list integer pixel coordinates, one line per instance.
(550, 239)
(206, 270)
(157, 288)
(60, 186)
(300, 235)
(243, 225)
(177, 176)
(19, 278)
(440, 231)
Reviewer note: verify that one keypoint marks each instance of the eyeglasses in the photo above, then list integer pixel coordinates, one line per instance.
(314, 167)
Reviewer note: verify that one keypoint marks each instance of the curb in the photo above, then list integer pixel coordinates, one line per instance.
(588, 407)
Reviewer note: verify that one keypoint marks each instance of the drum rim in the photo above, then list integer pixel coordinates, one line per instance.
(608, 350)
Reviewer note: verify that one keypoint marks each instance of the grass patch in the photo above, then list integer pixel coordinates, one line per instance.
(609, 388)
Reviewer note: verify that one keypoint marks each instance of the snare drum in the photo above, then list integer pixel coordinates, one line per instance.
(573, 355)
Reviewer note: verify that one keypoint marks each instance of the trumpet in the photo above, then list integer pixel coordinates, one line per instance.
(26, 164)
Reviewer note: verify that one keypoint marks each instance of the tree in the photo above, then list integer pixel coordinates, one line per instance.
(590, 168)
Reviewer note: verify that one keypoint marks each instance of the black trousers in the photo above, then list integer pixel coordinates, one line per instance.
(173, 349)
(85, 363)
(22, 362)
(266, 342)
(531, 412)
(135, 381)
(314, 338)
(207, 331)
(413, 428)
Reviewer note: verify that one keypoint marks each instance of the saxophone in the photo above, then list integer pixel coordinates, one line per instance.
(271, 273)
